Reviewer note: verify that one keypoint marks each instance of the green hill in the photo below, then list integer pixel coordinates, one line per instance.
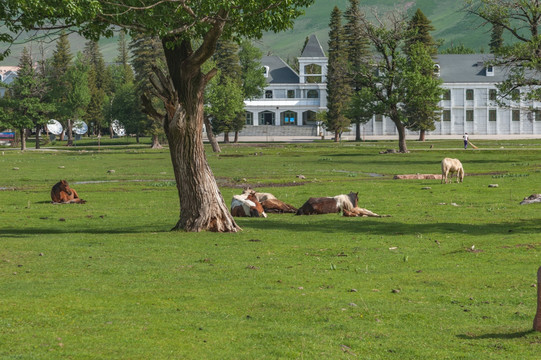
(452, 25)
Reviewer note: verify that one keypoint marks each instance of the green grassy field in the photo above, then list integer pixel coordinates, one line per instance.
(108, 280)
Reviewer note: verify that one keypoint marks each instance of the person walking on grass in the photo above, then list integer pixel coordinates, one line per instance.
(465, 137)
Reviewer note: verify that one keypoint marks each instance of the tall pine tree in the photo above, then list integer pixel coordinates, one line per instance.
(358, 52)
(338, 83)
(419, 28)
(496, 38)
(147, 52)
(99, 84)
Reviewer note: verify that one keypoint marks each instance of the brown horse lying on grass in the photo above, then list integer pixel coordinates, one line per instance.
(270, 203)
(246, 205)
(329, 205)
(61, 193)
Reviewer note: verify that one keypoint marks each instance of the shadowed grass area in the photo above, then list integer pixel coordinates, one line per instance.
(449, 275)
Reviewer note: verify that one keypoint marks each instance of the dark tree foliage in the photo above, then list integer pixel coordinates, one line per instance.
(522, 20)
(358, 52)
(338, 83)
(419, 28)
(496, 38)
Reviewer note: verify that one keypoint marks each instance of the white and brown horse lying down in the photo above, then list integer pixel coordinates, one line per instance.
(270, 203)
(247, 205)
(329, 205)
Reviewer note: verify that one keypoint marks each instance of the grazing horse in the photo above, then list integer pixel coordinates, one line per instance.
(61, 193)
(246, 205)
(449, 167)
(328, 205)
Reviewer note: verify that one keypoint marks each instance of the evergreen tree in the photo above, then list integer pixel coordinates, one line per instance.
(253, 80)
(24, 106)
(99, 84)
(419, 28)
(147, 51)
(227, 94)
(358, 51)
(496, 38)
(59, 84)
(338, 83)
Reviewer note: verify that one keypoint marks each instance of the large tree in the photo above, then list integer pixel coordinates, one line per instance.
(358, 51)
(421, 116)
(522, 20)
(24, 106)
(148, 53)
(189, 31)
(420, 27)
(385, 76)
(338, 82)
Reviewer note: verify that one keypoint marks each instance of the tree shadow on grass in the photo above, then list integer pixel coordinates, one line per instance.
(24, 232)
(504, 336)
(325, 224)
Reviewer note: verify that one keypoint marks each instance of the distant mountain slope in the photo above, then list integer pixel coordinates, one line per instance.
(452, 25)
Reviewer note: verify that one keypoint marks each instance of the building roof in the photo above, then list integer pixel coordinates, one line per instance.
(279, 71)
(313, 48)
(468, 68)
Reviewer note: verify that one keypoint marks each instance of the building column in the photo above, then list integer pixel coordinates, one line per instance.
(256, 118)
(299, 118)
(277, 117)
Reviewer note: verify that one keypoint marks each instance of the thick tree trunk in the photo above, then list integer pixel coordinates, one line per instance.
(422, 135)
(38, 130)
(226, 137)
(211, 137)
(156, 142)
(70, 133)
(202, 206)
(402, 147)
(236, 140)
(358, 131)
(336, 136)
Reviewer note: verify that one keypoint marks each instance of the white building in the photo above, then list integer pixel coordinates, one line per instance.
(291, 100)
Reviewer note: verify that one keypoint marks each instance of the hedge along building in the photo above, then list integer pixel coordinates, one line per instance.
(291, 101)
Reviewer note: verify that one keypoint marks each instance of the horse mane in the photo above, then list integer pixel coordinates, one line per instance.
(347, 202)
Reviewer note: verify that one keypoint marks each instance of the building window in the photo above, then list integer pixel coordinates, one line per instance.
(313, 69)
(291, 94)
(515, 95)
(492, 115)
(266, 71)
(309, 117)
(378, 117)
(446, 94)
(469, 115)
(492, 93)
(490, 70)
(312, 94)
(469, 94)
(289, 118)
(446, 115)
(515, 115)
(537, 115)
(249, 118)
(266, 118)
(268, 94)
